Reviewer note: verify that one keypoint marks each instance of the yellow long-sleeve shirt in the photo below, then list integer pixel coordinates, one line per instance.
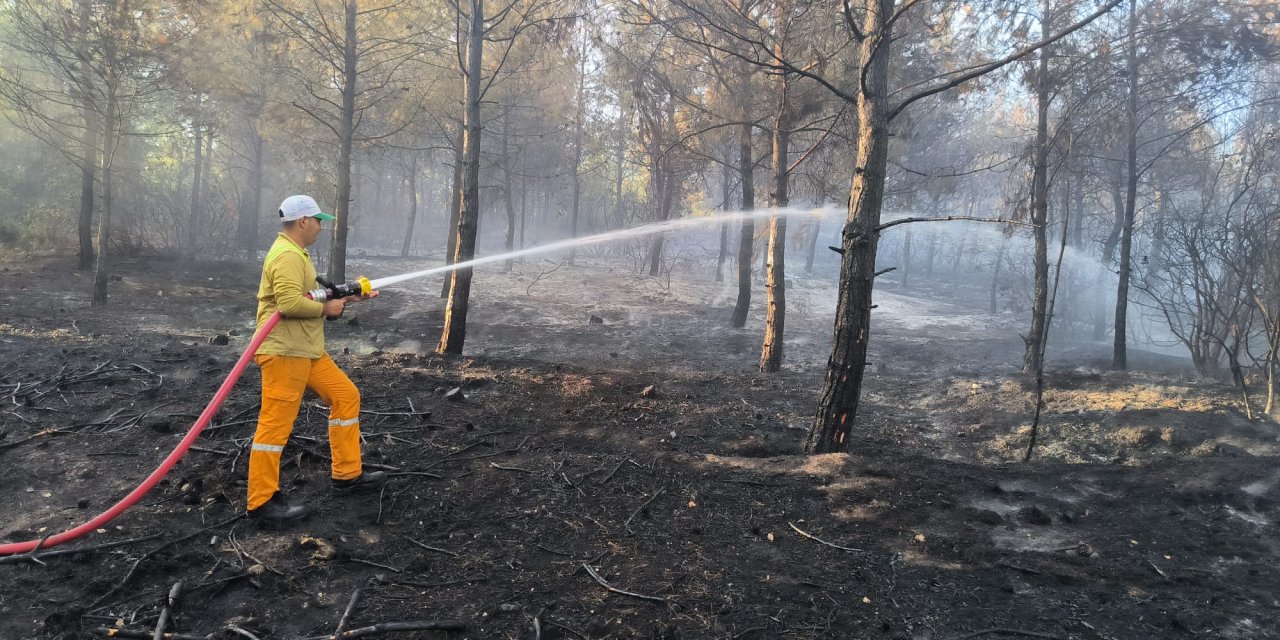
(287, 276)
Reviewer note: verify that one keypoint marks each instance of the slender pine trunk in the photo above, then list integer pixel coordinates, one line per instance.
(842, 389)
(1031, 359)
(507, 198)
(455, 210)
(346, 138)
(413, 205)
(776, 278)
(1119, 357)
(748, 230)
(455, 316)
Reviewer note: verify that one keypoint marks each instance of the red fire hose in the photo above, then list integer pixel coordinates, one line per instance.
(173, 458)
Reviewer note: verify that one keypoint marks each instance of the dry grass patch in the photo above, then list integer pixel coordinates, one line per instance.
(1134, 436)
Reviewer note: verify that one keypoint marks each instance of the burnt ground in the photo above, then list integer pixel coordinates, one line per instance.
(1148, 513)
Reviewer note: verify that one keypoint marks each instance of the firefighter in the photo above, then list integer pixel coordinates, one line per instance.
(293, 359)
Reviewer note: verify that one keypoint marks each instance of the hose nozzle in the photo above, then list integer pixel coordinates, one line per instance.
(329, 291)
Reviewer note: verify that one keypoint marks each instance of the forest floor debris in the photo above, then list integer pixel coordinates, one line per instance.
(560, 500)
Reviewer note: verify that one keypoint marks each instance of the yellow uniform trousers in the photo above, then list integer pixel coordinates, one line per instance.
(284, 379)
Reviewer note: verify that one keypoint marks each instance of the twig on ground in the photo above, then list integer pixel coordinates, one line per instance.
(38, 434)
(62, 552)
(241, 632)
(754, 483)
(443, 583)
(1158, 570)
(1009, 565)
(1008, 631)
(346, 615)
(207, 450)
(114, 632)
(592, 472)
(490, 455)
(498, 466)
(570, 483)
(409, 413)
(218, 583)
(373, 564)
(382, 492)
(388, 627)
(132, 421)
(468, 447)
(567, 628)
(31, 555)
(18, 416)
(431, 548)
(613, 589)
(424, 474)
(235, 423)
(615, 470)
(819, 540)
(166, 612)
(627, 524)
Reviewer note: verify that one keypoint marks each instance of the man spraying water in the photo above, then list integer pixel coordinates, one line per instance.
(293, 359)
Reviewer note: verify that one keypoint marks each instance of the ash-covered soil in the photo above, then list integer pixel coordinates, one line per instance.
(1148, 511)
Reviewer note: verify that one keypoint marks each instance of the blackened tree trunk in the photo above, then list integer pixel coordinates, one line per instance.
(88, 177)
(346, 137)
(1034, 350)
(746, 169)
(838, 405)
(995, 273)
(88, 142)
(578, 119)
(110, 141)
(1159, 235)
(667, 184)
(817, 231)
(1119, 357)
(931, 254)
(1271, 362)
(1237, 371)
(455, 315)
(206, 182)
(723, 255)
(620, 158)
(197, 176)
(507, 197)
(667, 187)
(904, 269)
(776, 277)
(413, 204)
(455, 210)
(524, 196)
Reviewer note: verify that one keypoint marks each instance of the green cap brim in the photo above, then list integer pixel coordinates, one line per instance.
(323, 216)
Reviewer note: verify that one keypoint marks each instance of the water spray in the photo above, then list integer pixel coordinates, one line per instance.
(358, 287)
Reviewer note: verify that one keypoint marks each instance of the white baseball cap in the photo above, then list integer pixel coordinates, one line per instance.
(298, 207)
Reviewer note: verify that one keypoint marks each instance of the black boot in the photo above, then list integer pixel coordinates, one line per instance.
(278, 510)
(364, 482)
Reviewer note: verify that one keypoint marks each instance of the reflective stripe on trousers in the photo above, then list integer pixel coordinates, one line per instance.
(284, 379)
